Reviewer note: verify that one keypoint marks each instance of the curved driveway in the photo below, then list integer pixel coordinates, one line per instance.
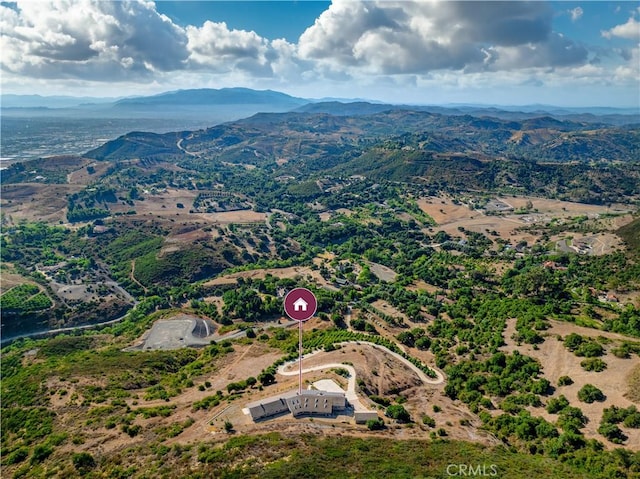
(351, 395)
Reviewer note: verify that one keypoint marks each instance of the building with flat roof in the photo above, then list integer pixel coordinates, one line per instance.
(310, 402)
(316, 403)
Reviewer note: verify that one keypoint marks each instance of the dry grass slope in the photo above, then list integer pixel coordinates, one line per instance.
(633, 394)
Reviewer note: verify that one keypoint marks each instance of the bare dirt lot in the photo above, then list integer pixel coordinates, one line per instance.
(384, 307)
(382, 272)
(290, 272)
(177, 332)
(450, 217)
(563, 208)
(175, 204)
(36, 202)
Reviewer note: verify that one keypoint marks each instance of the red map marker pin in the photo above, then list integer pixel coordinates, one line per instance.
(300, 304)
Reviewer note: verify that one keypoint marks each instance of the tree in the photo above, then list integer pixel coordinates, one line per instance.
(358, 324)
(365, 277)
(228, 427)
(406, 337)
(266, 378)
(398, 412)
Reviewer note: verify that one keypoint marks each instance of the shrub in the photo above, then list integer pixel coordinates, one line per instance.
(612, 433)
(573, 341)
(590, 349)
(428, 421)
(594, 364)
(565, 381)
(632, 420)
(380, 400)
(572, 419)
(41, 452)
(375, 424)
(556, 405)
(622, 352)
(17, 456)
(83, 461)
(589, 393)
(133, 430)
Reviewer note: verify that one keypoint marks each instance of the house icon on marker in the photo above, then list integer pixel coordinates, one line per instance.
(300, 305)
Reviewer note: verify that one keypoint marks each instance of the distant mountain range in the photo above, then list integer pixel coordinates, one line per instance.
(225, 96)
(38, 101)
(211, 105)
(228, 104)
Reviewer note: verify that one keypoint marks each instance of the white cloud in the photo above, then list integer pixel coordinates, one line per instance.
(629, 30)
(576, 14)
(214, 46)
(383, 37)
(92, 40)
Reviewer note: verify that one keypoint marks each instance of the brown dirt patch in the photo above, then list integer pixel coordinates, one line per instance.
(450, 217)
(36, 202)
(290, 272)
(11, 280)
(424, 286)
(443, 210)
(562, 208)
(82, 175)
(164, 204)
(384, 307)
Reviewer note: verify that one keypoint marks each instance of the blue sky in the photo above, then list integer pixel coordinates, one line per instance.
(429, 52)
(269, 19)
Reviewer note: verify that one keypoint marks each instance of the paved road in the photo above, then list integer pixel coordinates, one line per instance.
(52, 332)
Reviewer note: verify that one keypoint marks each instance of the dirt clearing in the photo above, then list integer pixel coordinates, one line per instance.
(36, 202)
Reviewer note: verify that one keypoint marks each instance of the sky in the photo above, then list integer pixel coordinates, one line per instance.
(420, 52)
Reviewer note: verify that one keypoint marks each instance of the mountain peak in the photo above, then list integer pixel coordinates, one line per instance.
(211, 96)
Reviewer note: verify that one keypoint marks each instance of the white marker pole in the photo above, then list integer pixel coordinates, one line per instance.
(300, 358)
(300, 304)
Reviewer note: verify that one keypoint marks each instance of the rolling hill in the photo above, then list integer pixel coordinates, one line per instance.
(305, 137)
